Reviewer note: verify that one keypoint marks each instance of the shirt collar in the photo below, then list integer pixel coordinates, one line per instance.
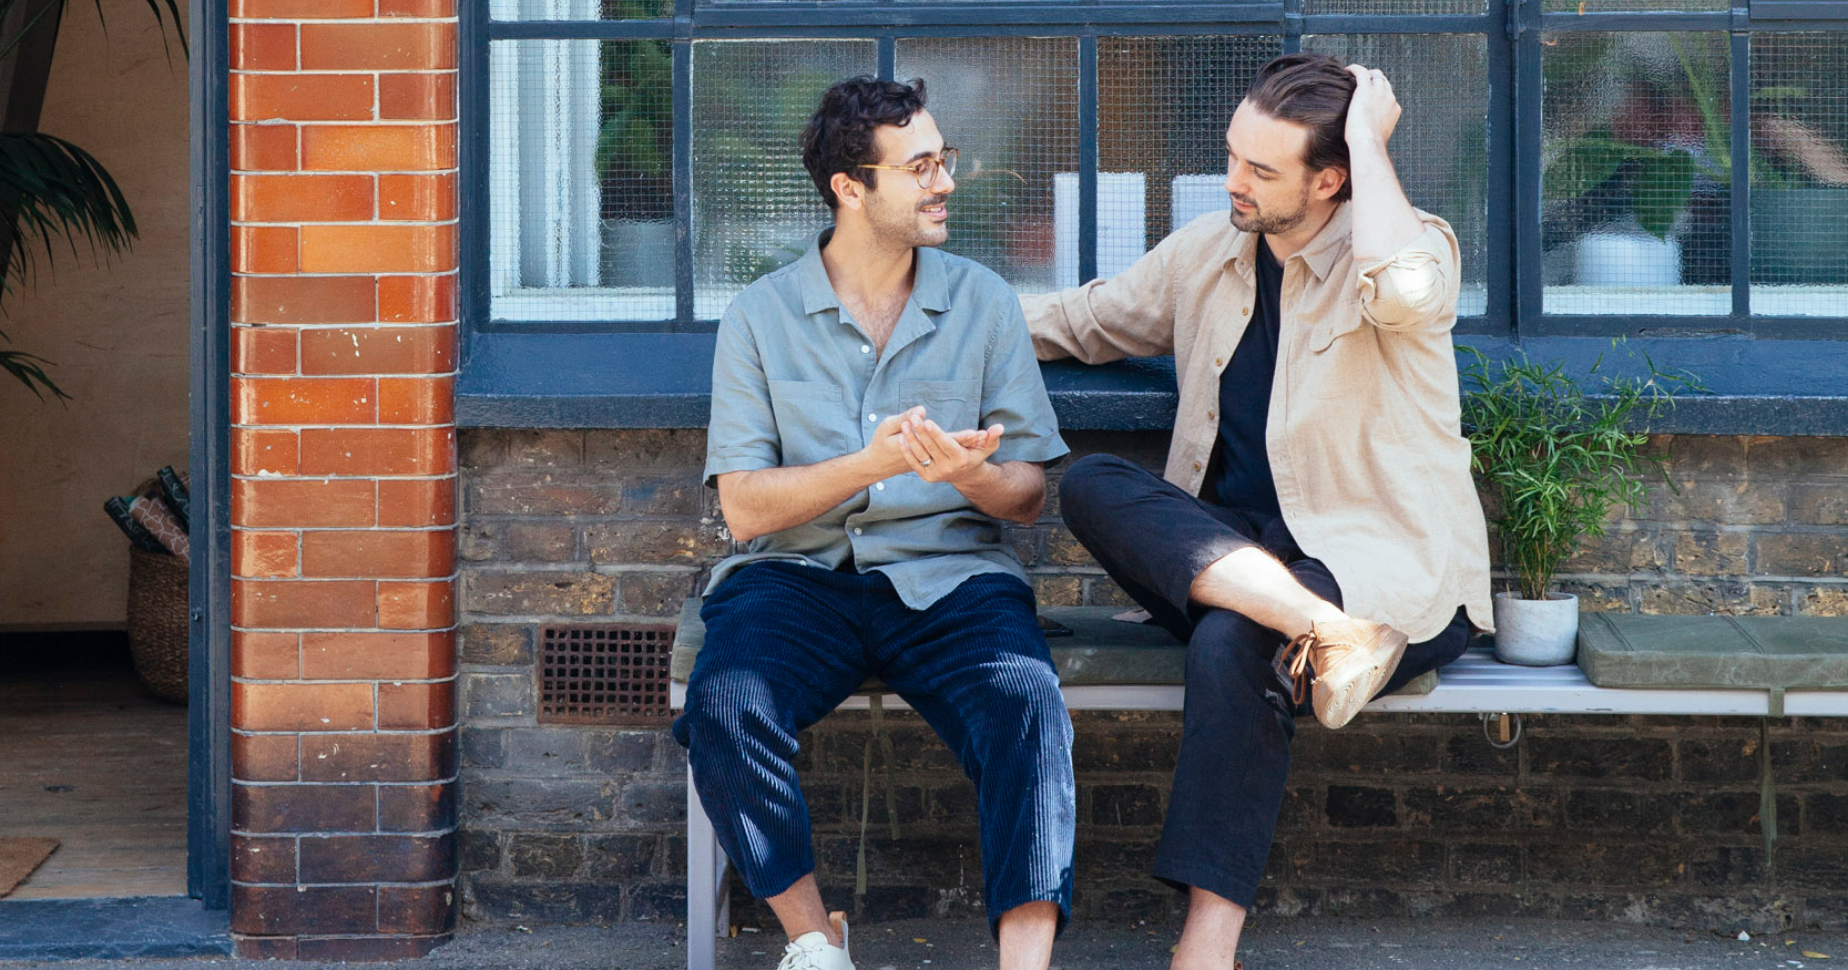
(930, 287)
(1325, 248)
(1320, 254)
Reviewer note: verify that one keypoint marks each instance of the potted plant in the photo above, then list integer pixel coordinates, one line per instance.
(1556, 453)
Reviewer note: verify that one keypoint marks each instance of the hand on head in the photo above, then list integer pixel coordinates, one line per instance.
(1374, 111)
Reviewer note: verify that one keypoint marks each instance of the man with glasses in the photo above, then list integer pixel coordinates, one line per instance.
(877, 413)
(1316, 538)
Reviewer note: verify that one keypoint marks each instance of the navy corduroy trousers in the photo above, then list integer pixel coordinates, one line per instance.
(786, 643)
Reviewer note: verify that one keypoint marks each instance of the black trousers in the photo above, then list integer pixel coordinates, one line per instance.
(1154, 539)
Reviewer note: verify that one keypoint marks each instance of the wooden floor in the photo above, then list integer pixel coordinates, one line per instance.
(88, 758)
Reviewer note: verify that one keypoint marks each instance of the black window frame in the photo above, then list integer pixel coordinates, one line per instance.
(1772, 374)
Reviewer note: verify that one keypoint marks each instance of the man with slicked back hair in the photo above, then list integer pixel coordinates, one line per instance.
(1315, 538)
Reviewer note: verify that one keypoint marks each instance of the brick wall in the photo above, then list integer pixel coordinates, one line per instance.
(1630, 818)
(343, 157)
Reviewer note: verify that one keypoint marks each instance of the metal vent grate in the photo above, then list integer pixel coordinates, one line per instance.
(604, 674)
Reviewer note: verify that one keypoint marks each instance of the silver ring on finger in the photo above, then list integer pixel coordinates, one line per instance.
(925, 462)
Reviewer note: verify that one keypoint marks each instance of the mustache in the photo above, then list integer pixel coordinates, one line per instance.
(1244, 201)
(933, 201)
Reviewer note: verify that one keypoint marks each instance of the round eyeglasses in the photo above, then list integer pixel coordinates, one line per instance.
(925, 169)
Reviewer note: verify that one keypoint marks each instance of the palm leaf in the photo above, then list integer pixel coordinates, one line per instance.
(38, 10)
(24, 367)
(51, 188)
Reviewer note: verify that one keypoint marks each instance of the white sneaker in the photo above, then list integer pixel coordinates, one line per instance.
(812, 951)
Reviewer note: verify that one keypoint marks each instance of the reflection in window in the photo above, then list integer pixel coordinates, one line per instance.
(754, 205)
(1163, 107)
(578, 9)
(1441, 145)
(1011, 105)
(580, 184)
(1799, 174)
(1636, 184)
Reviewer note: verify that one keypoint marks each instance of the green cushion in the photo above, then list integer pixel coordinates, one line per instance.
(1100, 651)
(1757, 652)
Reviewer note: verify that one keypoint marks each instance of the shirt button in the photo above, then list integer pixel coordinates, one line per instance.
(1245, 310)
(879, 485)
(1210, 415)
(856, 530)
(1219, 362)
(872, 417)
(865, 349)
(1196, 468)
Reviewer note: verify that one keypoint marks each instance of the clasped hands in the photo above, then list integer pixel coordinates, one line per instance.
(910, 441)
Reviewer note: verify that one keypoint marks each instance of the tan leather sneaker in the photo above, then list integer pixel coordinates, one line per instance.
(1353, 659)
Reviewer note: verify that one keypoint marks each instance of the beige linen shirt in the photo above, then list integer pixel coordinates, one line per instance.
(1372, 471)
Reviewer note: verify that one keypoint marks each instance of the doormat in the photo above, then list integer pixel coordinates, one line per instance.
(18, 857)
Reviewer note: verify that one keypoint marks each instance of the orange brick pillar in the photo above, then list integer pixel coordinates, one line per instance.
(343, 512)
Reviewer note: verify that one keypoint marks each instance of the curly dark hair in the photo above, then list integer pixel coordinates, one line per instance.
(839, 136)
(1312, 90)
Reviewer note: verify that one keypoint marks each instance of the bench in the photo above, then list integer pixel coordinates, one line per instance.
(1111, 665)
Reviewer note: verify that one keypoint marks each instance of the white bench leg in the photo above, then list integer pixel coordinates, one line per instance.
(708, 901)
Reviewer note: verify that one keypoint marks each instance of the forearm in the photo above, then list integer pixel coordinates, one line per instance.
(1384, 220)
(1011, 490)
(757, 503)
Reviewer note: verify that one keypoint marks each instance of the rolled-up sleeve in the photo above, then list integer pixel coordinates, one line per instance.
(1014, 394)
(742, 434)
(1416, 287)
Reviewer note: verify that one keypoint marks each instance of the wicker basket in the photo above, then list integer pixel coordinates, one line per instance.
(157, 622)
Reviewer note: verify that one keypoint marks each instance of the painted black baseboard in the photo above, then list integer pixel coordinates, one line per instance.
(147, 926)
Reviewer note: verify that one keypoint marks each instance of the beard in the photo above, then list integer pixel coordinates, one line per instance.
(1260, 221)
(906, 227)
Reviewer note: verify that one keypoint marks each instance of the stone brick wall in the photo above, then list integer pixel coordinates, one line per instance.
(1629, 818)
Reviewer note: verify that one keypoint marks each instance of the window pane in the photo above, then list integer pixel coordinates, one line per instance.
(1413, 7)
(1633, 6)
(1163, 105)
(580, 180)
(1011, 105)
(754, 206)
(1635, 191)
(1441, 145)
(1800, 174)
(577, 9)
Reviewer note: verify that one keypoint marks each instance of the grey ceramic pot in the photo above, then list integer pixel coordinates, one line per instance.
(1536, 633)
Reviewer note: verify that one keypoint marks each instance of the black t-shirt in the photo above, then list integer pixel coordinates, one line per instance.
(1241, 459)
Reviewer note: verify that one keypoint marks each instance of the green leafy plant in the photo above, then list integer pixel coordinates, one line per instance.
(1557, 458)
(1668, 169)
(51, 189)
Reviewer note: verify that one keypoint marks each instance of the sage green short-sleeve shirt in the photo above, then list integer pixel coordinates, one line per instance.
(795, 381)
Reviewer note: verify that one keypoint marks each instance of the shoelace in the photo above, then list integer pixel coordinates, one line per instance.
(1293, 662)
(799, 957)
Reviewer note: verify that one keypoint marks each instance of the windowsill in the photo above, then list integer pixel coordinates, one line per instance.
(659, 380)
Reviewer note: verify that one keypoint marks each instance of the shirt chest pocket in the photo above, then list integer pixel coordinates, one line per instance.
(811, 423)
(1342, 322)
(1343, 355)
(954, 405)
